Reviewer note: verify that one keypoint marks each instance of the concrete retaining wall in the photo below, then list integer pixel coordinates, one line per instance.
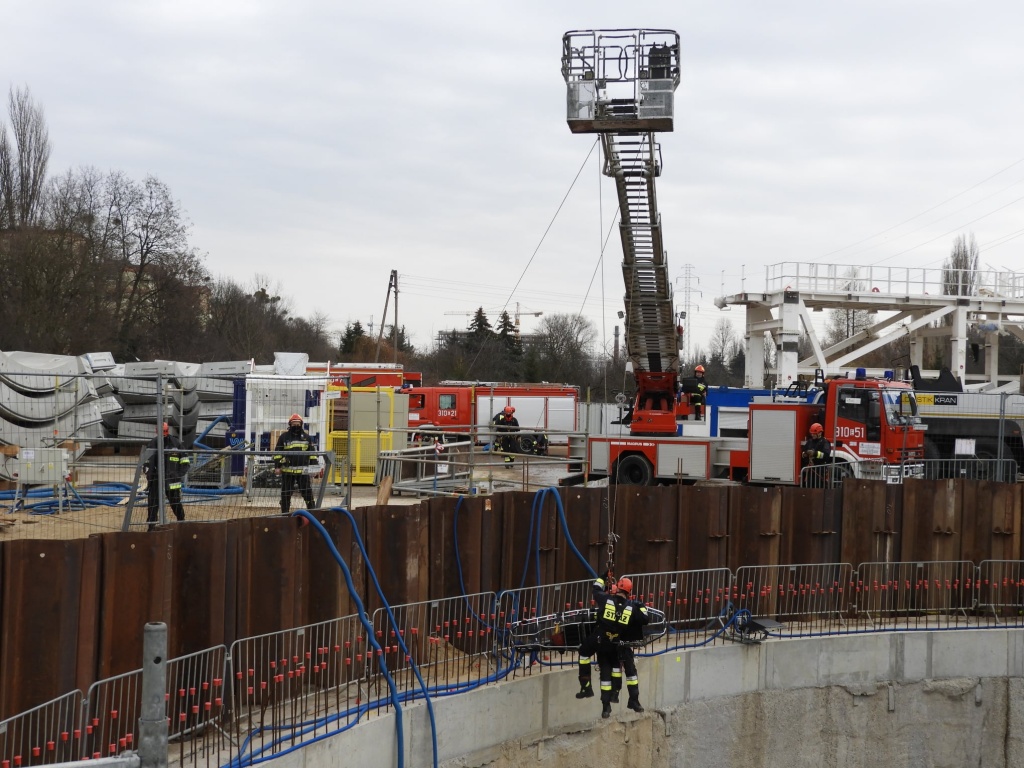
(930, 698)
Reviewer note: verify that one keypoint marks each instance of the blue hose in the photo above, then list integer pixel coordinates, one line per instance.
(394, 623)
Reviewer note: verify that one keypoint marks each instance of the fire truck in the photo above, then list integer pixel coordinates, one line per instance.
(620, 85)
(872, 424)
(453, 407)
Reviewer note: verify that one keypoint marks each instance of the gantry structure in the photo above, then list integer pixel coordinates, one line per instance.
(918, 303)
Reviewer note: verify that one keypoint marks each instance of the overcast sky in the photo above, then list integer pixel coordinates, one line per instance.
(323, 144)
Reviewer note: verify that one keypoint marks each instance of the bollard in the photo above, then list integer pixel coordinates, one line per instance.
(153, 720)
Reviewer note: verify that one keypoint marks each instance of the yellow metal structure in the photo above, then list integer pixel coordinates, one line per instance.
(370, 420)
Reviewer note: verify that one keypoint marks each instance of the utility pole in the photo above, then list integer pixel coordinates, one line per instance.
(689, 281)
(392, 286)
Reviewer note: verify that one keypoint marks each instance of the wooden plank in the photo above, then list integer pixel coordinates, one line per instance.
(384, 491)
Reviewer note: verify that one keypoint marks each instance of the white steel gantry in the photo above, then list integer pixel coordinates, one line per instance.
(908, 301)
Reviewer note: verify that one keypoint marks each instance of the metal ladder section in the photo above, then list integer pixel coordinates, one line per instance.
(633, 160)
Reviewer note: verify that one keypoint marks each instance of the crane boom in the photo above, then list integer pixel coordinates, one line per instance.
(621, 84)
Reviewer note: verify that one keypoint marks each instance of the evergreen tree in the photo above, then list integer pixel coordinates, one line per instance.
(353, 332)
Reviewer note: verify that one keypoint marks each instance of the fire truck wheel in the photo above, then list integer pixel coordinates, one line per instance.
(634, 470)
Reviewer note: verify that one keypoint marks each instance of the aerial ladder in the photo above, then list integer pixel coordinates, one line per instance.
(621, 85)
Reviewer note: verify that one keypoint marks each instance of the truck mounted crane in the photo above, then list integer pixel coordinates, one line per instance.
(621, 85)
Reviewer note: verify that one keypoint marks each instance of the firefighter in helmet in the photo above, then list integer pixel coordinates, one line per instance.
(506, 425)
(176, 464)
(293, 456)
(620, 620)
(591, 644)
(700, 397)
(816, 452)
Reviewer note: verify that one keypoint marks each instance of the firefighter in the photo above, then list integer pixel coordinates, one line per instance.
(293, 455)
(699, 398)
(620, 619)
(176, 464)
(816, 452)
(506, 424)
(591, 644)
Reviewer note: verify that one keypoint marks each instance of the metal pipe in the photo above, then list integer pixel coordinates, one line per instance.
(153, 720)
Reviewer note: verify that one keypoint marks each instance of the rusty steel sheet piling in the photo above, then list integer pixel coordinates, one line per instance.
(703, 520)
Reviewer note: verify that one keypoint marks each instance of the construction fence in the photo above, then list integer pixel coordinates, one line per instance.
(272, 693)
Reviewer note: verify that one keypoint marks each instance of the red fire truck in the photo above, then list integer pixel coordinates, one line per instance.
(620, 86)
(453, 407)
(872, 424)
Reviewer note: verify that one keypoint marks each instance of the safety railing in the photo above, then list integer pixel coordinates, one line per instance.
(299, 684)
(695, 604)
(451, 642)
(256, 487)
(112, 710)
(913, 596)
(807, 599)
(999, 590)
(277, 691)
(50, 733)
(971, 468)
(903, 281)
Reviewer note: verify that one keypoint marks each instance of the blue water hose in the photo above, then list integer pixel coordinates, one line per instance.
(394, 623)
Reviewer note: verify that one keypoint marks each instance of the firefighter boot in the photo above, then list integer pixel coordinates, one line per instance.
(606, 710)
(634, 699)
(586, 690)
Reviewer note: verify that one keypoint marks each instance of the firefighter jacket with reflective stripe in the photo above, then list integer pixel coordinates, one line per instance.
(619, 618)
(176, 461)
(291, 449)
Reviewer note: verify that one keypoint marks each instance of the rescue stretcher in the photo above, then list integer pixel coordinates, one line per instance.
(566, 630)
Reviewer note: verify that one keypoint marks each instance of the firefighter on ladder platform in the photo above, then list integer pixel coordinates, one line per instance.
(506, 425)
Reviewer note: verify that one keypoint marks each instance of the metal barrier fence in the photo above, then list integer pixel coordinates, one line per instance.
(923, 595)
(277, 691)
(807, 599)
(695, 604)
(299, 684)
(50, 733)
(451, 642)
(999, 591)
(971, 468)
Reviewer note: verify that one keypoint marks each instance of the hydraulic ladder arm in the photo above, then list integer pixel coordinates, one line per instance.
(621, 84)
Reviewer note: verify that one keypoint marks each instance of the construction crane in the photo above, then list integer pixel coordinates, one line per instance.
(621, 84)
(516, 316)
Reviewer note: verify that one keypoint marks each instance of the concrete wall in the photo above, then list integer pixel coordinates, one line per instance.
(929, 698)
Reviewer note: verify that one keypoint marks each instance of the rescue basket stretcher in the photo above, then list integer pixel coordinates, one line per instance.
(566, 630)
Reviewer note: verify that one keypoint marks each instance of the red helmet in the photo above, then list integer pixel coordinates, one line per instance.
(625, 585)
(167, 428)
(294, 417)
(699, 369)
(509, 410)
(817, 429)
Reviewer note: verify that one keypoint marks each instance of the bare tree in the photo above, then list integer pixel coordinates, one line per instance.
(960, 270)
(23, 161)
(844, 323)
(564, 346)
